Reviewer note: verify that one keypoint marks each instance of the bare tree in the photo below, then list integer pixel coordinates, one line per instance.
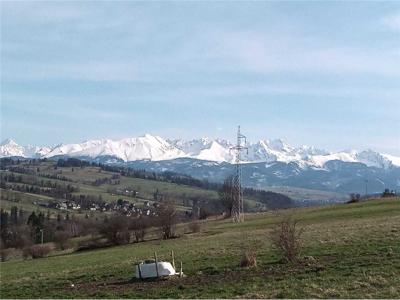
(226, 195)
(61, 239)
(286, 237)
(139, 226)
(115, 229)
(167, 219)
(195, 226)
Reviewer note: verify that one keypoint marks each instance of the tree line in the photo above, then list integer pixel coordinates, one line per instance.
(34, 233)
(270, 199)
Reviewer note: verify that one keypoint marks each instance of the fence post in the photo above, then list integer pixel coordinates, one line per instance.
(140, 271)
(173, 258)
(156, 261)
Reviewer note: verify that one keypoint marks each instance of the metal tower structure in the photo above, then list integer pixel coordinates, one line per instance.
(237, 194)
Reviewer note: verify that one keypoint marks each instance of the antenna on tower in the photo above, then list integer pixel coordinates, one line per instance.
(237, 194)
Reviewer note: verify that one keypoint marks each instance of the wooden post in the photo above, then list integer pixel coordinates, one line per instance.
(156, 261)
(181, 273)
(173, 258)
(140, 271)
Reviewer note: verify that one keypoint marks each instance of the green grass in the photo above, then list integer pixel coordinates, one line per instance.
(298, 193)
(356, 248)
(83, 178)
(25, 201)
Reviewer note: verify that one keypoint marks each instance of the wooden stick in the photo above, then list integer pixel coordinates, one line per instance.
(173, 258)
(181, 273)
(140, 271)
(155, 256)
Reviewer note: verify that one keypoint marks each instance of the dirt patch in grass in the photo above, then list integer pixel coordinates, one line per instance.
(149, 285)
(276, 271)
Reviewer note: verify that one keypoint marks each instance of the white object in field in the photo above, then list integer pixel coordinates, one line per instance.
(149, 270)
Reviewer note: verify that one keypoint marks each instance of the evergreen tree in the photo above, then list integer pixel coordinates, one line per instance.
(21, 215)
(14, 215)
(32, 219)
(41, 218)
(3, 219)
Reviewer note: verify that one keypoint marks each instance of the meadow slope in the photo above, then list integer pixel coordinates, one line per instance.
(352, 250)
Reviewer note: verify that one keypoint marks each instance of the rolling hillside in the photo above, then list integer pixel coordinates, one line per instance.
(40, 185)
(349, 251)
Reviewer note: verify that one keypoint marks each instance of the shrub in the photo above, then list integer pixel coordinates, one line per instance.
(139, 228)
(286, 237)
(61, 239)
(116, 230)
(167, 219)
(89, 226)
(5, 253)
(26, 253)
(92, 245)
(39, 251)
(194, 226)
(354, 198)
(124, 237)
(204, 213)
(249, 258)
(23, 241)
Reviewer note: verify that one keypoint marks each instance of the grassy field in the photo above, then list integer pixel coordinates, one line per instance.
(298, 193)
(352, 250)
(83, 178)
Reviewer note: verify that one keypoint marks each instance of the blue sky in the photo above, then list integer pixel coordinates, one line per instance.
(317, 73)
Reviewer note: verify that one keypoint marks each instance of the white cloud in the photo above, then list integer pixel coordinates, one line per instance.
(87, 71)
(66, 109)
(262, 53)
(392, 21)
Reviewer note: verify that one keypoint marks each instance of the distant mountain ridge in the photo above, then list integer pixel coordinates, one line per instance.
(155, 148)
(268, 163)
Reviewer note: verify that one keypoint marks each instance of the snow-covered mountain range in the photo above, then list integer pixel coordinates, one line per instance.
(9, 148)
(155, 148)
(268, 163)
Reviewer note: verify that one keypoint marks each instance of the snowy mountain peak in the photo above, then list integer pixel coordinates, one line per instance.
(155, 148)
(278, 145)
(8, 141)
(373, 159)
(9, 148)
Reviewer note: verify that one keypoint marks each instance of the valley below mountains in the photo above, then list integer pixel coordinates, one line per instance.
(268, 164)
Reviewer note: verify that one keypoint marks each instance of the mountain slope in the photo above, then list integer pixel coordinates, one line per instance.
(266, 164)
(155, 148)
(336, 176)
(147, 147)
(9, 148)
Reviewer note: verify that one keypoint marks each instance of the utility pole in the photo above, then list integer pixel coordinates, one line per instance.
(366, 188)
(237, 193)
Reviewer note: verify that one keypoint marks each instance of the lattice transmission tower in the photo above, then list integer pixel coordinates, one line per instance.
(237, 193)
